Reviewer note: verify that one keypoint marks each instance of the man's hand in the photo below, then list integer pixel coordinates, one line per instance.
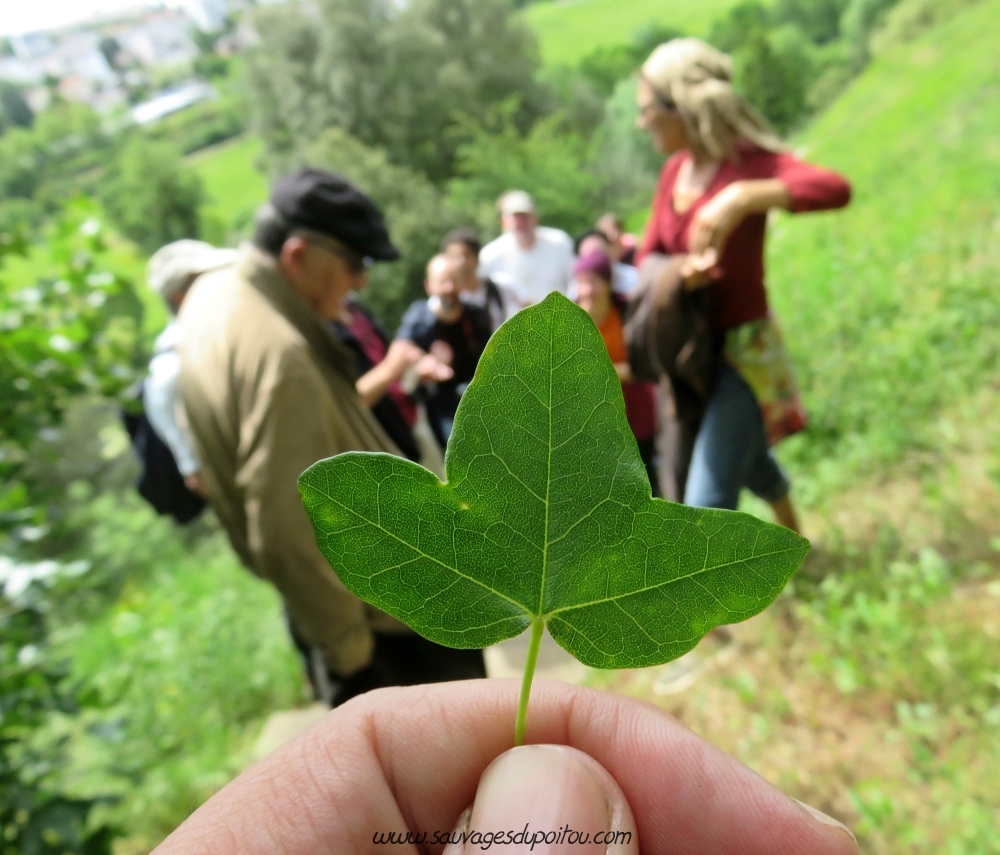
(430, 369)
(401, 354)
(437, 759)
(195, 483)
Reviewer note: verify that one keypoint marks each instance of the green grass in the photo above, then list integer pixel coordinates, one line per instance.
(184, 666)
(234, 186)
(890, 306)
(570, 29)
(872, 693)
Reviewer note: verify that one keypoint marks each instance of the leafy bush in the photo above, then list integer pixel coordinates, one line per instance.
(69, 335)
(551, 163)
(41, 166)
(37, 817)
(73, 333)
(393, 77)
(149, 195)
(607, 65)
(181, 653)
(622, 158)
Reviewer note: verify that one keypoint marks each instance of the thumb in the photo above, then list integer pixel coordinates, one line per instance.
(549, 800)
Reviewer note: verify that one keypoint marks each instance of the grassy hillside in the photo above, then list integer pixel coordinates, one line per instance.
(871, 688)
(234, 186)
(891, 306)
(570, 29)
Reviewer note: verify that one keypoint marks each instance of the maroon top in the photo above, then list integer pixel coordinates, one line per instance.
(739, 296)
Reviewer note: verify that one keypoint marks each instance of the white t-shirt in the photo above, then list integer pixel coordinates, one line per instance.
(530, 274)
(161, 397)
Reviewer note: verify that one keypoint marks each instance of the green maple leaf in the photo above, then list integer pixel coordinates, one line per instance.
(546, 518)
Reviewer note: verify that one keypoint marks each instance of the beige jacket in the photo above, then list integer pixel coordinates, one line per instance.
(268, 391)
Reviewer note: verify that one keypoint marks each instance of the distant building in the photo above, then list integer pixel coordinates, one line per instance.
(24, 72)
(209, 15)
(171, 102)
(31, 45)
(79, 55)
(162, 38)
(99, 62)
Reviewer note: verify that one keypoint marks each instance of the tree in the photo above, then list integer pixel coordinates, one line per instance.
(150, 196)
(608, 64)
(547, 161)
(860, 20)
(415, 212)
(818, 19)
(393, 77)
(772, 67)
(622, 157)
(14, 110)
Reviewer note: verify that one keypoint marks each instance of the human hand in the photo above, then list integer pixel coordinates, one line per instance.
(715, 220)
(624, 371)
(700, 270)
(442, 351)
(402, 353)
(195, 483)
(415, 759)
(430, 369)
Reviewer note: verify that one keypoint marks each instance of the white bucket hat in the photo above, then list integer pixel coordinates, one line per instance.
(173, 265)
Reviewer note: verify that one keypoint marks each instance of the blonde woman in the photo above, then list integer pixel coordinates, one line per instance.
(725, 172)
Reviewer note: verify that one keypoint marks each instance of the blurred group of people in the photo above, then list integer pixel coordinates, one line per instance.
(270, 362)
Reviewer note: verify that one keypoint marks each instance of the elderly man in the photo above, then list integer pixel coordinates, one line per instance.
(530, 259)
(269, 390)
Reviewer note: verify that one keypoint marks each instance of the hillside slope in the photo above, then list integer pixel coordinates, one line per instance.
(570, 29)
(891, 307)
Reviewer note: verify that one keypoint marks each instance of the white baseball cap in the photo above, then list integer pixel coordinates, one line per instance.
(516, 202)
(173, 265)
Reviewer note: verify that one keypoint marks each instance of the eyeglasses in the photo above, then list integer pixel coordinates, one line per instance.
(355, 261)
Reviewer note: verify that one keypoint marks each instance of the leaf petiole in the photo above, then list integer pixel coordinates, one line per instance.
(537, 628)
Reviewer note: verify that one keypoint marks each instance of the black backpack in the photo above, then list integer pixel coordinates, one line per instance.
(160, 482)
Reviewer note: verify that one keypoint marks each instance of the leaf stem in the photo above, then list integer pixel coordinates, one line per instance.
(537, 628)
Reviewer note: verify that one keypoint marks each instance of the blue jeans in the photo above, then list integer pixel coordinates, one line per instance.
(731, 450)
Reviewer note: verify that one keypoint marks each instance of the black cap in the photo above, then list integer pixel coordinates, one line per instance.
(327, 203)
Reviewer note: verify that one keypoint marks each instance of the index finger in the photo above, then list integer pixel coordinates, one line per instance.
(411, 758)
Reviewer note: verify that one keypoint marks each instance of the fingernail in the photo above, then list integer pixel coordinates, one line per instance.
(829, 821)
(542, 798)
(458, 834)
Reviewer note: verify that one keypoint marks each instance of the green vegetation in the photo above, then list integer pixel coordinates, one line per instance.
(72, 334)
(889, 305)
(870, 689)
(184, 655)
(149, 196)
(568, 30)
(233, 187)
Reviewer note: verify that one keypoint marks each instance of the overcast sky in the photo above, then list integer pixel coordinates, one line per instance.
(23, 16)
